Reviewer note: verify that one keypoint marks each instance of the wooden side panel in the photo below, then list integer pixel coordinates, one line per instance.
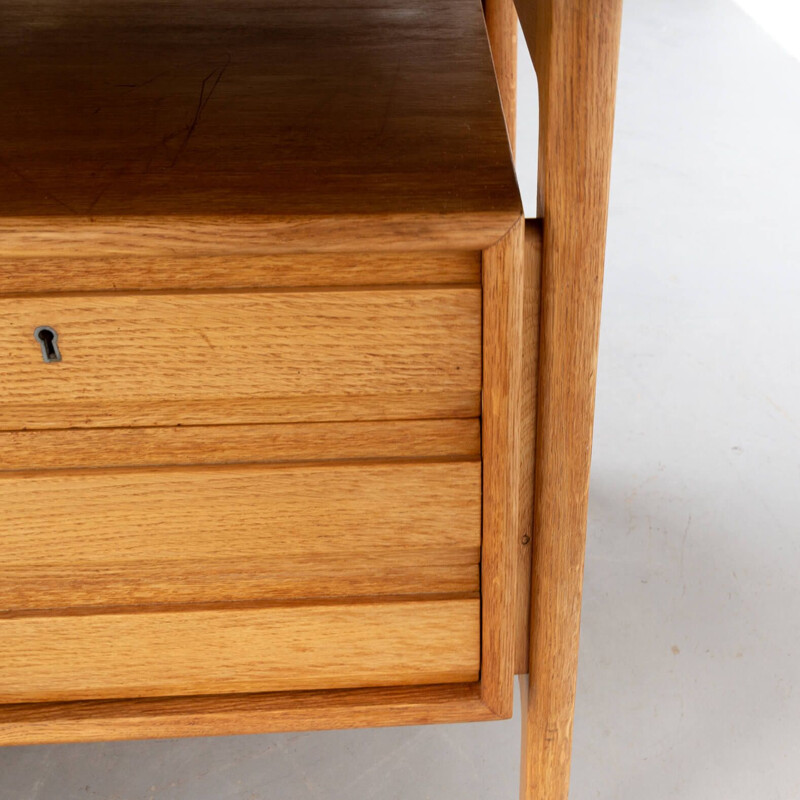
(575, 48)
(168, 359)
(278, 648)
(177, 534)
(219, 715)
(239, 444)
(530, 332)
(75, 272)
(503, 468)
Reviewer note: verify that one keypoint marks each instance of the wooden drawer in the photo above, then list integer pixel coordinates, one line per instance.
(136, 582)
(271, 648)
(109, 537)
(246, 357)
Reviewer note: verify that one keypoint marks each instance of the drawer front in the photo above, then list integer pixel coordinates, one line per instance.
(314, 646)
(173, 535)
(145, 582)
(241, 357)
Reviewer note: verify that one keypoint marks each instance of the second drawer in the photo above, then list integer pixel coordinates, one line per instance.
(99, 538)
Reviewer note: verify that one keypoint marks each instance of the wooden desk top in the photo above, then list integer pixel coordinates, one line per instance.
(246, 125)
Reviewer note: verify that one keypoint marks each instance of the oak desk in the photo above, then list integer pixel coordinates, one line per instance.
(270, 407)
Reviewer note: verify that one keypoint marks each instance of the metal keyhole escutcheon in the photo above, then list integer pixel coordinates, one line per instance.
(47, 339)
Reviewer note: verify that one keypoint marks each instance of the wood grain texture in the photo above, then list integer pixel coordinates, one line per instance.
(166, 359)
(501, 25)
(527, 440)
(503, 468)
(51, 586)
(72, 273)
(238, 127)
(189, 237)
(228, 650)
(233, 714)
(575, 49)
(238, 444)
(176, 533)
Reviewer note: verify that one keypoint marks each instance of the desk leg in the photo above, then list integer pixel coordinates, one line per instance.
(501, 26)
(575, 49)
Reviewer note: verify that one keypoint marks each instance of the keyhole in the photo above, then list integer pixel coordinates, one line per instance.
(48, 341)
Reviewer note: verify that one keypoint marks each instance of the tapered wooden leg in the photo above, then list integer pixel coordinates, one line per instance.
(501, 25)
(575, 48)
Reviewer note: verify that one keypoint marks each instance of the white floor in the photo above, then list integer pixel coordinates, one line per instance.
(691, 630)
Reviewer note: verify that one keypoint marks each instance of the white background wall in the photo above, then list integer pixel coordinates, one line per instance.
(690, 658)
(779, 18)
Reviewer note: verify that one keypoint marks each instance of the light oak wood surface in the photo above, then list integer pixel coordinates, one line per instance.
(71, 272)
(239, 444)
(272, 648)
(219, 715)
(503, 471)
(575, 50)
(166, 359)
(176, 533)
(238, 127)
(95, 587)
(188, 237)
(532, 265)
(501, 26)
